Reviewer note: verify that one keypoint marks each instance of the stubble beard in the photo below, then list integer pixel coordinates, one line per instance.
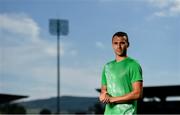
(122, 53)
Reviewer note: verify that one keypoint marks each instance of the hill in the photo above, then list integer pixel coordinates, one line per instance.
(68, 104)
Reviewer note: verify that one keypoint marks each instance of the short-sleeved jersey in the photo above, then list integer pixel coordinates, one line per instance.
(118, 78)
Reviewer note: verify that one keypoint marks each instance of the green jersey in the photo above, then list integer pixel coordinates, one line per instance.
(118, 78)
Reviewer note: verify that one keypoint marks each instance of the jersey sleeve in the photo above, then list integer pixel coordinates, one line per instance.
(103, 78)
(136, 73)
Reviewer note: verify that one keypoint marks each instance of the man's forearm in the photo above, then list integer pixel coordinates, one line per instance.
(103, 89)
(134, 95)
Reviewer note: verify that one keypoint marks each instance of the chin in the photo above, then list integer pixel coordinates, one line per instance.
(119, 54)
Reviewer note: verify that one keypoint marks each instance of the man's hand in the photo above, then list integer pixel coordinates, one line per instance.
(104, 97)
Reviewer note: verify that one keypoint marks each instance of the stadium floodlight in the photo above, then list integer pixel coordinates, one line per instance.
(58, 27)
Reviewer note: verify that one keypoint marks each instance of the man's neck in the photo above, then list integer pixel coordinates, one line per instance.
(120, 58)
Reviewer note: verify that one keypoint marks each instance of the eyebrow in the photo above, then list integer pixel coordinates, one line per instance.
(120, 42)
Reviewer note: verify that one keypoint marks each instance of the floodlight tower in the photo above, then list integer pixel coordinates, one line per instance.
(58, 27)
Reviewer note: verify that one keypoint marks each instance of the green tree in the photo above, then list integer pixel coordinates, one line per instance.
(12, 109)
(45, 111)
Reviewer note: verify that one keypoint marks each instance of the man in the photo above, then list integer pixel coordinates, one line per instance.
(121, 79)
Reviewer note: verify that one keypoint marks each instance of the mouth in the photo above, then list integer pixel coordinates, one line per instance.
(118, 51)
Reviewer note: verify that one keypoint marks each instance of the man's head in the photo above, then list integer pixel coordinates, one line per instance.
(120, 43)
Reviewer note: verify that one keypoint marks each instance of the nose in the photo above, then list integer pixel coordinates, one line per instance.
(119, 45)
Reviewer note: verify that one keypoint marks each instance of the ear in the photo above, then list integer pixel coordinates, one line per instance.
(128, 44)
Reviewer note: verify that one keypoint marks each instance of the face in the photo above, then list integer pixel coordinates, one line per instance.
(120, 45)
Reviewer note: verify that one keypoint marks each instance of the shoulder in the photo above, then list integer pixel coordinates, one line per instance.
(110, 63)
(133, 62)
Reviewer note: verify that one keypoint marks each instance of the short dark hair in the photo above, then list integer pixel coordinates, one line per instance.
(121, 34)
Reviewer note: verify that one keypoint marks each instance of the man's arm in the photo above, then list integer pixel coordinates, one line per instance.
(103, 89)
(134, 95)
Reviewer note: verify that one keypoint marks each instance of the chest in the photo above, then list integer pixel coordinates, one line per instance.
(117, 72)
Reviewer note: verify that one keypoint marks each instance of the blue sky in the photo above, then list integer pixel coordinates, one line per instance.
(28, 51)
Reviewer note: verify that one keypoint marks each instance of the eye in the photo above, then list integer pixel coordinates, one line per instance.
(123, 43)
(115, 43)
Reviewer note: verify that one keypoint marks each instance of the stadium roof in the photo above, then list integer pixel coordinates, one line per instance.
(6, 98)
(161, 91)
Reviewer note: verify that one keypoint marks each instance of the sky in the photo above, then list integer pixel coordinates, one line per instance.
(28, 51)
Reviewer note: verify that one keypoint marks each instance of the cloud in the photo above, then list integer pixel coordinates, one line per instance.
(151, 76)
(74, 52)
(51, 49)
(160, 3)
(80, 81)
(166, 7)
(176, 7)
(19, 27)
(20, 24)
(160, 14)
(100, 45)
